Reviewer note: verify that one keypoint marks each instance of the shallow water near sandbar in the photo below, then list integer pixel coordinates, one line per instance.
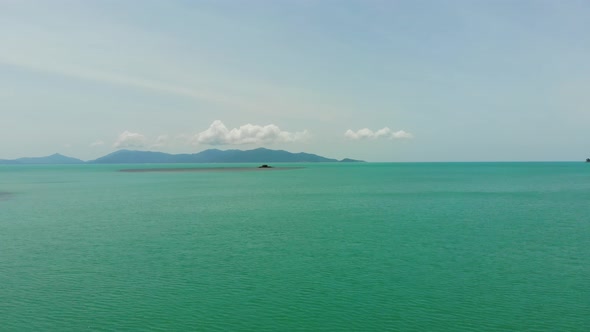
(332, 247)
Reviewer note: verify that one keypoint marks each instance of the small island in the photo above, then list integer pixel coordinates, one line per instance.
(588, 160)
(264, 166)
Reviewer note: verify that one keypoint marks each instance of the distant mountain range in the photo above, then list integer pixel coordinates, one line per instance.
(53, 159)
(260, 155)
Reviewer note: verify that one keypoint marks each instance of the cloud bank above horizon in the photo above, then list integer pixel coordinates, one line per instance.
(219, 134)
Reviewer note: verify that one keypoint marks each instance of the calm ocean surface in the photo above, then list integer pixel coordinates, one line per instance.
(329, 247)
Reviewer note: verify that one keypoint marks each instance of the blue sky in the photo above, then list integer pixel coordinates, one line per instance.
(374, 80)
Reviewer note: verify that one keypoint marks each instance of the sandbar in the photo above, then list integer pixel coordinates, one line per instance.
(4, 195)
(209, 169)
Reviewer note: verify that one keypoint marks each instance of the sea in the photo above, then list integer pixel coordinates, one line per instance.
(300, 247)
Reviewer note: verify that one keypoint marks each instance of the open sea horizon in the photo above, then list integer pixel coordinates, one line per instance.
(482, 246)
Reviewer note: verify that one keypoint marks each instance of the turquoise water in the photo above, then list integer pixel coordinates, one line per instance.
(332, 247)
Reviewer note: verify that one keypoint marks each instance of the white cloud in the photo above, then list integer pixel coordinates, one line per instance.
(219, 134)
(402, 134)
(130, 140)
(97, 143)
(162, 140)
(385, 132)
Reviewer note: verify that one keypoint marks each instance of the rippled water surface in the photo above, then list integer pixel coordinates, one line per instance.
(333, 247)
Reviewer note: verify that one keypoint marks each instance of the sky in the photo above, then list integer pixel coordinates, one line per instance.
(390, 81)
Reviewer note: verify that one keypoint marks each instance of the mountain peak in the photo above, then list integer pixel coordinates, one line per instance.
(55, 158)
